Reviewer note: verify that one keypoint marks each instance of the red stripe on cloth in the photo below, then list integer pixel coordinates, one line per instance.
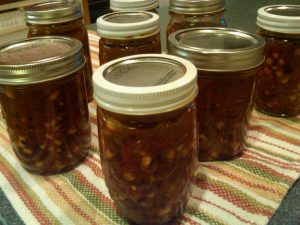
(269, 160)
(272, 143)
(233, 198)
(70, 201)
(271, 134)
(91, 187)
(275, 121)
(30, 204)
(243, 181)
(224, 209)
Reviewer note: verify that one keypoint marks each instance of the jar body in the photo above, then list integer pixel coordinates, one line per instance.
(148, 162)
(110, 49)
(278, 81)
(224, 104)
(48, 123)
(75, 29)
(183, 21)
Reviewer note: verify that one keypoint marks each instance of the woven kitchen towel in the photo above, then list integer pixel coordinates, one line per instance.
(246, 190)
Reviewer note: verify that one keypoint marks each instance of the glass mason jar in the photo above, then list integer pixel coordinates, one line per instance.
(227, 61)
(147, 134)
(190, 13)
(44, 103)
(278, 81)
(127, 33)
(62, 18)
(134, 5)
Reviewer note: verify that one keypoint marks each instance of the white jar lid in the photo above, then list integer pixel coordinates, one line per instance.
(145, 84)
(133, 5)
(122, 25)
(280, 18)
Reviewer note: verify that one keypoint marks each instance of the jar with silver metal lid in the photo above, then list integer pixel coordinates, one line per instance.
(147, 134)
(62, 18)
(195, 13)
(227, 61)
(127, 33)
(134, 5)
(43, 101)
(278, 81)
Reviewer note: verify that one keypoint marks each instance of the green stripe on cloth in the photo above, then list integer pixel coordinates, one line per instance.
(102, 206)
(8, 215)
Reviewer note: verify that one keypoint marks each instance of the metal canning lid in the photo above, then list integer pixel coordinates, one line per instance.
(133, 5)
(280, 18)
(145, 84)
(123, 25)
(196, 6)
(39, 59)
(54, 12)
(218, 49)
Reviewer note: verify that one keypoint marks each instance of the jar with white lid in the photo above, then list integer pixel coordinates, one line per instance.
(190, 13)
(127, 33)
(147, 132)
(227, 61)
(134, 5)
(278, 81)
(63, 18)
(44, 103)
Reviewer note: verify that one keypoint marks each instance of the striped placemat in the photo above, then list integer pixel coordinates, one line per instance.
(247, 190)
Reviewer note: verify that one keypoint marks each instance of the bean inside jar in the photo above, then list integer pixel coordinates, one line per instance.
(278, 81)
(147, 127)
(44, 103)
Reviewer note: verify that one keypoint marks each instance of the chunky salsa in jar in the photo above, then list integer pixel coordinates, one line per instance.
(44, 103)
(147, 134)
(63, 19)
(125, 34)
(278, 81)
(227, 61)
(188, 14)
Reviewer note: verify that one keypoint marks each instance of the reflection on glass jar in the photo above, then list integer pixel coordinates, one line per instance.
(125, 34)
(44, 103)
(189, 13)
(278, 82)
(147, 134)
(64, 19)
(227, 61)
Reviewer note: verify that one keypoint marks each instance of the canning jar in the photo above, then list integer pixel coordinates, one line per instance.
(147, 134)
(134, 5)
(63, 18)
(127, 33)
(227, 61)
(190, 13)
(278, 81)
(44, 103)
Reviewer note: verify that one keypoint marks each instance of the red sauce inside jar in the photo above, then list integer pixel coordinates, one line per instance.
(148, 162)
(224, 107)
(110, 49)
(184, 21)
(278, 81)
(70, 28)
(45, 110)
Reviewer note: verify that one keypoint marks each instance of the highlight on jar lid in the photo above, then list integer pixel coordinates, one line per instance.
(56, 11)
(218, 49)
(39, 59)
(145, 84)
(196, 6)
(126, 24)
(280, 18)
(133, 5)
